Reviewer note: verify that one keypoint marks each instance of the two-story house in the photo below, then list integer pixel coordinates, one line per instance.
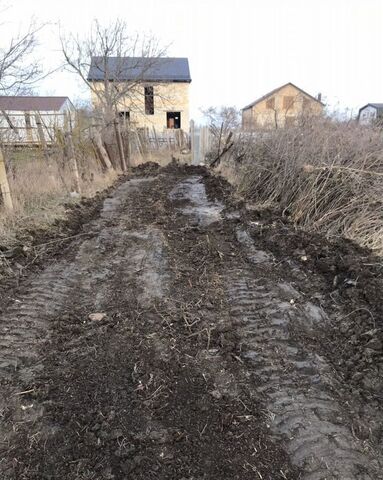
(156, 90)
(279, 108)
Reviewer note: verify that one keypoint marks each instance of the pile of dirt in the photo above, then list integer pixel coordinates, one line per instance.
(147, 168)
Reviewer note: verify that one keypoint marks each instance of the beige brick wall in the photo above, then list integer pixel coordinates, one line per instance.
(289, 104)
(168, 97)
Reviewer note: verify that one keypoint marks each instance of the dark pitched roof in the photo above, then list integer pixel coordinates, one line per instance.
(277, 90)
(378, 106)
(140, 68)
(27, 103)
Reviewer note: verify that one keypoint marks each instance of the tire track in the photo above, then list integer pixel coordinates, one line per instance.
(297, 385)
(25, 324)
(81, 283)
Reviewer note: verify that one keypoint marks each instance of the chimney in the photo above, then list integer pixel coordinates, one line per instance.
(319, 97)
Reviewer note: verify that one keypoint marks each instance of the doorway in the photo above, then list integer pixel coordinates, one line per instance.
(173, 119)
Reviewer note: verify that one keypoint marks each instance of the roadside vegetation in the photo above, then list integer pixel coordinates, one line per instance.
(42, 188)
(326, 176)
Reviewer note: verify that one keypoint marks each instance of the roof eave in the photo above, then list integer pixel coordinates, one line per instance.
(158, 80)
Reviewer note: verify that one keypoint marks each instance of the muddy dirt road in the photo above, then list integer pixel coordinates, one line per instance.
(185, 336)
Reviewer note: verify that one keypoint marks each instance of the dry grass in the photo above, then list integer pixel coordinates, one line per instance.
(327, 176)
(40, 189)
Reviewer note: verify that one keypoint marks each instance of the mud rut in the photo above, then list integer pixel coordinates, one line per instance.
(198, 368)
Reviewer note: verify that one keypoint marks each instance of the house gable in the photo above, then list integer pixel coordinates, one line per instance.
(279, 90)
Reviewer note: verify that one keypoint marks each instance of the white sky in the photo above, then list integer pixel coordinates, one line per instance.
(238, 49)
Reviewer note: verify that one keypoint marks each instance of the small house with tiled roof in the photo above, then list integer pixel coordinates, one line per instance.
(280, 108)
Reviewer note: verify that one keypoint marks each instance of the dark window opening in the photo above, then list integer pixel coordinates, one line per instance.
(173, 119)
(149, 100)
(125, 115)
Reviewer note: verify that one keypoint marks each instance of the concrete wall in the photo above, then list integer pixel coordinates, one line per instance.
(280, 109)
(168, 97)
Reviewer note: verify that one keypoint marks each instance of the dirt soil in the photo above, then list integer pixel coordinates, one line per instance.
(181, 334)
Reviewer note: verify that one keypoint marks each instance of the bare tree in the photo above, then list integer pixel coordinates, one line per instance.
(112, 55)
(222, 123)
(222, 120)
(19, 70)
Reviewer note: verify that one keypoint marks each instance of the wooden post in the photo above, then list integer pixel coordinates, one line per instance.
(42, 123)
(192, 140)
(101, 151)
(156, 138)
(139, 145)
(40, 132)
(4, 185)
(119, 144)
(128, 148)
(72, 162)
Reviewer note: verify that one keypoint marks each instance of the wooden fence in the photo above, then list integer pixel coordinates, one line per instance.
(32, 128)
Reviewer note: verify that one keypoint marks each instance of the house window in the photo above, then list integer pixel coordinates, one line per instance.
(149, 100)
(288, 102)
(124, 115)
(270, 103)
(173, 119)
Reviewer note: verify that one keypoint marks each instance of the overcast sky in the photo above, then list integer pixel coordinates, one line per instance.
(238, 49)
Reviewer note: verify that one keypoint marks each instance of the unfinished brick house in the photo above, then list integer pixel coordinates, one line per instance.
(159, 96)
(281, 107)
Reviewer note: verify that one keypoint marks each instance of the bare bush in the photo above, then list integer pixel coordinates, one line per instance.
(222, 122)
(326, 175)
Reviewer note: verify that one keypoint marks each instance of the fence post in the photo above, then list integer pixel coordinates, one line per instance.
(119, 144)
(156, 138)
(40, 132)
(100, 149)
(72, 162)
(194, 144)
(4, 185)
(128, 153)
